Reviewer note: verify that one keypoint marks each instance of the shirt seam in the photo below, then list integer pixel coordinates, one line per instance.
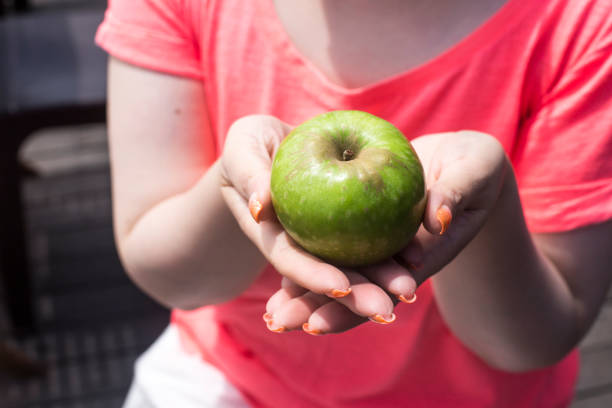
(128, 29)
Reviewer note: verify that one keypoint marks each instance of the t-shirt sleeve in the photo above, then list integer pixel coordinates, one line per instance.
(564, 167)
(153, 34)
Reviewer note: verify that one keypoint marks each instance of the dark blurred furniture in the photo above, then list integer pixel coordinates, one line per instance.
(21, 5)
(18, 5)
(51, 74)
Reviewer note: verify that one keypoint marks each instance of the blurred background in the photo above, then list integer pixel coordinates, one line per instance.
(71, 322)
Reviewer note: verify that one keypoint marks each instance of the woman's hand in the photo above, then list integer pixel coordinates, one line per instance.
(465, 172)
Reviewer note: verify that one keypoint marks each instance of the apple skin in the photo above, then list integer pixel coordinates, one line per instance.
(348, 187)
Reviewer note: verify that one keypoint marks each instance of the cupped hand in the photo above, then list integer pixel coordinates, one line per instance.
(465, 172)
(245, 167)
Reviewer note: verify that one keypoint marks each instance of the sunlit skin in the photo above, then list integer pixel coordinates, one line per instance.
(181, 215)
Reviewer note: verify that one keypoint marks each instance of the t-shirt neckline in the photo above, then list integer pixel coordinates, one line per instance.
(507, 16)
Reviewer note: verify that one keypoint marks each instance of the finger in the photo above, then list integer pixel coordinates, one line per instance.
(332, 317)
(288, 291)
(425, 250)
(295, 312)
(433, 252)
(394, 278)
(368, 299)
(301, 267)
(287, 257)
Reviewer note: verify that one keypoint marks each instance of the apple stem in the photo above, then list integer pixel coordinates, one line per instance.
(347, 155)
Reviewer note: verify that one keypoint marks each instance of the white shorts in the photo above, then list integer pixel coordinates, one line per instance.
(167, 377)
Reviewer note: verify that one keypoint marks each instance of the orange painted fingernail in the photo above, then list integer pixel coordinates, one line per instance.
(337, 293)
(445, 217)
(377, 318)
(412, 299)
(307, 329)
(267, 317)
(255, 208)
(279, 329)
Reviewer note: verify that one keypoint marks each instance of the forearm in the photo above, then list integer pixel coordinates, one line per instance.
(504, 299)
(188, 250)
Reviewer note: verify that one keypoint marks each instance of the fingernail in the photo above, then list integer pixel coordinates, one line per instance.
(267, 317)
(337, 293)
(377, 318)
(307, 329)
(278, 329)
(255, 207)
(412, 299)
(445, 217)
(414, 266)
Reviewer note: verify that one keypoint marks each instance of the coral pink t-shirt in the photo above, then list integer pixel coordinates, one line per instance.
(537, 75)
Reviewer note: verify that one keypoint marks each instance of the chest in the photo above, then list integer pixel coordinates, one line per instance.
(291, 68)
(360, 42)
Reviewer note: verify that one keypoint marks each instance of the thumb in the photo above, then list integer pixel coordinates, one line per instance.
(259, 202)
(444, 202)
(464, 180)
(247, 159)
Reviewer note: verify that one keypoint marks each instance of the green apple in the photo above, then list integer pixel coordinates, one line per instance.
(348, 187)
